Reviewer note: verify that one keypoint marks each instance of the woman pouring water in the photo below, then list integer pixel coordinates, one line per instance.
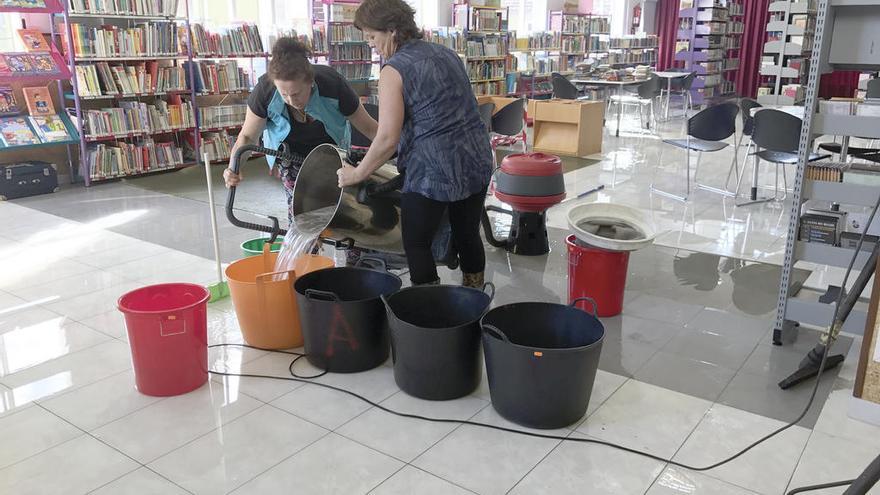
(299, 105)
(428, 113)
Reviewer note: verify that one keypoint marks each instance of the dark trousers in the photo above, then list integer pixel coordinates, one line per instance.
(420, 219)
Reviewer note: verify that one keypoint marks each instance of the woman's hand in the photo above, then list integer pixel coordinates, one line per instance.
(232, 179)
(349, 176)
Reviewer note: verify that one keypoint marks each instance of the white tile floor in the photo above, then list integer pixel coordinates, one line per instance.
(71, 421)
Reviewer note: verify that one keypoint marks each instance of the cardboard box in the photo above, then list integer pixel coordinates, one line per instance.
(569, 127)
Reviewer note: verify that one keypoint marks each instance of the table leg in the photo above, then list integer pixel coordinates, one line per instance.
(754, 194)
(668, 96)
(619, 107)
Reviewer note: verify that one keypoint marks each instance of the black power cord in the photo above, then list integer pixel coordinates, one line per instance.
(297, 378)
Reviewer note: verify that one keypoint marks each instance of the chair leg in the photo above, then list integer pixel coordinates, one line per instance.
(744, 166)
(661, 192)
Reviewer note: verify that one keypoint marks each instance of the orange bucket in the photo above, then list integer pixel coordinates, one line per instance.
(266, 308)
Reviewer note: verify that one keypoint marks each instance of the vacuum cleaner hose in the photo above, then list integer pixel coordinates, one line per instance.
(235, 166)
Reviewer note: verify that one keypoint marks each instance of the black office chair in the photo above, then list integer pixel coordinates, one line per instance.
(645, 95)
(706, 132)
(508, 125)
(681, 87)
(746, 105)
(776, 135)
(563, 88)
(358, 140)
(486, 111)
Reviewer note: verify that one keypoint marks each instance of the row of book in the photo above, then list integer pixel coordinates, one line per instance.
(543, 40)
(151, 38)
(451, 38)
(351, 52)
(125, 7)
(345, 32)
(635, 42)
(219, 77)
(319, 40)
(34, 129)
(581, 24)
(480, 19)
(355, 71)
(37, 99)
(222, 116)
(492, 69)
(239, 40)
(648, 57)
(217, 145)
(537, 65)
(104, 79)
(489, 88)
(487, 46)
(27, 64)
(122, 159)
(139, 117)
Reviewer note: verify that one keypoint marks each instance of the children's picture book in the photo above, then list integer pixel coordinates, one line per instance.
(50, 128)
(15, 131)
(19, 63)
(30, 4)
(8, 105)
(38, 100)
(43, 64)
(33, 40)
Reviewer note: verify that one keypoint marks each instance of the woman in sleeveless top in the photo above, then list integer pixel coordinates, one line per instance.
(428, 114)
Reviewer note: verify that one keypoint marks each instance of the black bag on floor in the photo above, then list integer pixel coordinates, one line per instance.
(20, 180)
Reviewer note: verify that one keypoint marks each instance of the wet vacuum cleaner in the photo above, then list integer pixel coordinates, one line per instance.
(809, 366)
(530, 183)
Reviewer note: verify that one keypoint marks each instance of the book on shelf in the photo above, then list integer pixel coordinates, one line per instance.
(217, 145)
(154, 38)
(451, 38)
(121, 159)
(38, 100)
(27, 64)
(15, 131)
(319, 40)
(139, 117)
(165, 8)
(215, 77)
(243, 39)
(351, 52)
(341, 12)
(104, 79)
(345, 33)
(222, 115)
(355, 71)
(33, 40)
(49, 128)
(8, 103)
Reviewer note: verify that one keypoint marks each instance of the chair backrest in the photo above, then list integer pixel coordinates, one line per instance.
(715, 123)
(486, 111)
(873, 88)
(776, 130)
(358, 139)
(563, 88)
(684, 83)
(650, 88)
(745, 113)
(509, 120)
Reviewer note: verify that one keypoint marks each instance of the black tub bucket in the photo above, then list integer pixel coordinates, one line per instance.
(435, 339)
(343, 320)
(541, 361)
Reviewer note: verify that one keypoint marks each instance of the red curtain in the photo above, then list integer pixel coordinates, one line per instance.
(667, 31)
(756, 15)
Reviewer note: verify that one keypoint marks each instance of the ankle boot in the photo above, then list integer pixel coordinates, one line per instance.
(473, 280)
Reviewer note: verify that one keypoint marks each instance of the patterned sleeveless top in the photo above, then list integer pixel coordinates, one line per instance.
(444, 145)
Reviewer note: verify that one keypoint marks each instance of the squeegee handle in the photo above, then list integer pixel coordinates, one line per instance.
(235, 166)
(859, 285)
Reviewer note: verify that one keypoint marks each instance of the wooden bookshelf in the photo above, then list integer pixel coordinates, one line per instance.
(486, 47)
(338, 43)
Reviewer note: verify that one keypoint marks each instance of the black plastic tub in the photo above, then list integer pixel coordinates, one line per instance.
(435, 339)
(344, 326)
(541, 361)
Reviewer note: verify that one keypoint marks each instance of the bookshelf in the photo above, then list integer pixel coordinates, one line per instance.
(486, 50)
(733, 44)
(29, 119)
(785, 62)
(145, 80)
(704, 26)
(338, 43)
(630, 51)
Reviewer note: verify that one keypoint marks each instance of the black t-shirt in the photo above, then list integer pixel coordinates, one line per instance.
(305, 136)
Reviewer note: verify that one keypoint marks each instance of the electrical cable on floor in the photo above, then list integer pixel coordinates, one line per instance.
(310, 380)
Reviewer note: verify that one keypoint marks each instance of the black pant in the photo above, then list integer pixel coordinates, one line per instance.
(420, 219)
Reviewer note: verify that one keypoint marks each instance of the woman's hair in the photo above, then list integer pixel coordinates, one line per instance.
(389, 15)
(290, 61)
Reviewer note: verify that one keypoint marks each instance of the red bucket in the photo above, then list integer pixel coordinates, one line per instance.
(167, 328)
(597, 273)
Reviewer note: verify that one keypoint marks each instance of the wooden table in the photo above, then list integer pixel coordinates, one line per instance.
(619, 84)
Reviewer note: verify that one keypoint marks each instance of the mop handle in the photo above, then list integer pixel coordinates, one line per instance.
(207, 160)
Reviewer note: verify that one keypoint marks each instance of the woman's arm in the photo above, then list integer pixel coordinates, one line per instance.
(391, 113)
(364, 123)
(250, 134)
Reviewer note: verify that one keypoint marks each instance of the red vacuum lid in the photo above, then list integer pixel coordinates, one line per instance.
(532, 164)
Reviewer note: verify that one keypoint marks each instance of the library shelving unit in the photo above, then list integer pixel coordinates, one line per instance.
(702, 31)
(535, 65)
(60, 74)
(486, 46)
(630, 51)
(574, 32)
(786, 53)
(843, 40)
(733, 43)
(149, 106)
(339, 43)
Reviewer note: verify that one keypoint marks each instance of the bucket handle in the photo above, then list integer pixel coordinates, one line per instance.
(496, 332)
(486, 287)
(321, 295)
(594, 312)
(382, 264)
